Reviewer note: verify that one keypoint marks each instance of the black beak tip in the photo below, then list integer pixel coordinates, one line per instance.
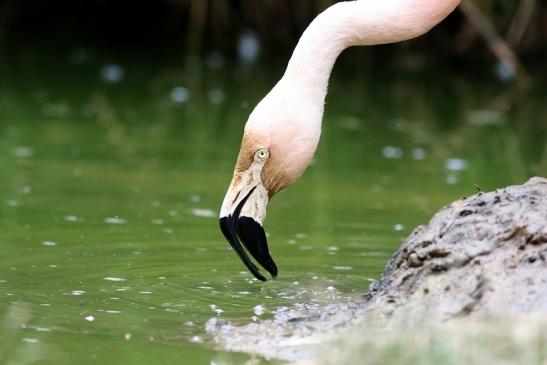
(249, 232)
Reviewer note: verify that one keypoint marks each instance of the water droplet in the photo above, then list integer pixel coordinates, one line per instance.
(455, 164)
(451, 179)
(180, 94)
(112, 73)
(398, 227)
(208, 213)
(115, 220)
(112, 278)
(195, 198)
(392, 152)
(259, 310)
(419, 154)
(343, 268)
(23, 151)
(89, 318)
(71, 218)
(248, 46)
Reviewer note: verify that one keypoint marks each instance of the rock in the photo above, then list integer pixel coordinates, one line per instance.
(481, 255)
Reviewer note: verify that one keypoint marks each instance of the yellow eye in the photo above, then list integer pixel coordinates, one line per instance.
(262, 155)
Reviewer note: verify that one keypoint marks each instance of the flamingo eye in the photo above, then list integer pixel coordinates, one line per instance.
(262, 155)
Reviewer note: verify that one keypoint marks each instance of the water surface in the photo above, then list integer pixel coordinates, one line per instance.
(112, 173)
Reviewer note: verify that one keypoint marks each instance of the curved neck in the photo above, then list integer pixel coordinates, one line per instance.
(349, 23)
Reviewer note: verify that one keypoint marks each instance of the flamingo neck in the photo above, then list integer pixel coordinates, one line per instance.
(350, 23)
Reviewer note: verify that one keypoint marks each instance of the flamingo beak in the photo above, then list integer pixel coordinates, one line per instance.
(241, 217)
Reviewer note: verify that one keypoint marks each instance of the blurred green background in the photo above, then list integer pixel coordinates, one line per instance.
(120, 123)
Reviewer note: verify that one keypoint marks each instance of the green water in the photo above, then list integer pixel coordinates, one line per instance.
(110, 249)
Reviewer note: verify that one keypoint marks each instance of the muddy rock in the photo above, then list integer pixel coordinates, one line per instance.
(484, 253)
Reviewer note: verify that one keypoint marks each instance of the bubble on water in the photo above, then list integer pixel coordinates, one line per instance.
(333, 248)
(455, 164)
(71, 218)
(157, 221)
(419, 154)
(244, 292)
(115, 220)
(306, 248)
(331, 288)
(392, 152)
(49, 243)
(451, 179)
(216, 96)
(112, 311)
(205, 287)
(343, 268)
(216, 309)
(398, 227)
(194, 198)
(12, 203)
(207, 213)
(180, 94)
(89, 318)
(259, 310)
(248, 46)
(23, 151)
(77, 292)
(112, 73)
(26, 189)
(128, 336)
(53, 266)
(30, 340)
(145, 292)
(113, 278)
(195, 339)
(291, 242)
(41, 329)
(45, 304)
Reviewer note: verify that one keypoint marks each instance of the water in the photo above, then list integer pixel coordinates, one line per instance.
(112, 174)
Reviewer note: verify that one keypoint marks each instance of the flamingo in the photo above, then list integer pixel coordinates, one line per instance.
(282, 132)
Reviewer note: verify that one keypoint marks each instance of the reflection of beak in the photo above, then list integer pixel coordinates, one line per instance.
(243, 224)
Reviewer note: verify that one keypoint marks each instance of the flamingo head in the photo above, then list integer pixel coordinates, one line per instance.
(279, 141)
